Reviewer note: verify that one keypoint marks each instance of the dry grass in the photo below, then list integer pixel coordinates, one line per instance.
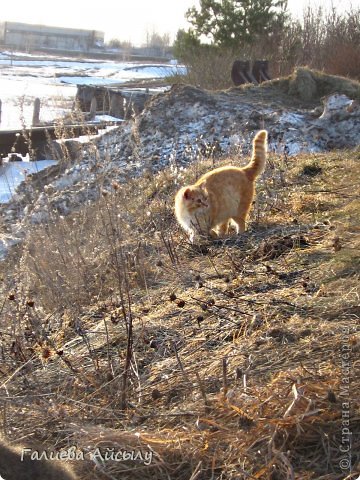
(323, 39)
(234, 370)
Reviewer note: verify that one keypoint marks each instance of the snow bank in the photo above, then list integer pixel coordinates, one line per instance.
(13, 173)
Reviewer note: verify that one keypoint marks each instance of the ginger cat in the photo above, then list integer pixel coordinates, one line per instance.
(221, 196)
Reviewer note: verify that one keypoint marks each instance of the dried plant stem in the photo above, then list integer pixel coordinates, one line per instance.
(203, 393)
(180, 363)
(225, 379)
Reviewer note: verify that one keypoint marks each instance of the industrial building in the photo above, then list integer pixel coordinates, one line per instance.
(32, 37)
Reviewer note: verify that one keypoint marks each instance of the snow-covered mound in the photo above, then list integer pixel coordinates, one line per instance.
(178, 125)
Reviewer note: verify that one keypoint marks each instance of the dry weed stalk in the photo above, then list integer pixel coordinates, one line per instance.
(255, 317)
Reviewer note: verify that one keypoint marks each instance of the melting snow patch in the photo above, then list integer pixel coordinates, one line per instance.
(6, 242)
(292, 119)
(13, 173)
(333, 104)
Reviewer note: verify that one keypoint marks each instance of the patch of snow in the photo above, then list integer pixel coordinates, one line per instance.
(18, 95)
(54, 81)
(13, 173)
(6, 242)
(107, 118)
(90, 80)
(87, 138)
(292, 119)
(69, 179)
(235, 140)
(333, 104)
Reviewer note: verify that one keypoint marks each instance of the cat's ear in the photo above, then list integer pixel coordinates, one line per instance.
(187, 193)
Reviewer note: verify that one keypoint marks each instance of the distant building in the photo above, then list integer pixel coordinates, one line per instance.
(32, 37)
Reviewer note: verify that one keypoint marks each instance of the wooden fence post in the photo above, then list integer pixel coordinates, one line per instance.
(93, 107)
(36, 113)
(116, 106)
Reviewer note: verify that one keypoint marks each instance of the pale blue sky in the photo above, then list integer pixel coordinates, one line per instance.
(123, 19)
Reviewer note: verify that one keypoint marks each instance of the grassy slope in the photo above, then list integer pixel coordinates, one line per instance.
(236, 367)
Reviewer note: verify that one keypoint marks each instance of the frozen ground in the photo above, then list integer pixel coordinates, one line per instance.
(53, 80)
(24, 77)
(175, 129)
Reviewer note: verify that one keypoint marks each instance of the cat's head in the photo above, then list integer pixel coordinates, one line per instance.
(195, 199)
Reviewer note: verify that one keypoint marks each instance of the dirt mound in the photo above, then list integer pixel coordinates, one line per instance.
(310, 85)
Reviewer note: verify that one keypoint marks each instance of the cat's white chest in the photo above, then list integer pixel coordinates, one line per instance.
(196, 223)
(199, 222)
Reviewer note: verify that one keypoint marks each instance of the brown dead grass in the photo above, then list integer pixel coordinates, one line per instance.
(236, 370)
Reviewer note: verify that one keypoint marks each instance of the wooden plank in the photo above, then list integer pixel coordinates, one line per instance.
(20, 140)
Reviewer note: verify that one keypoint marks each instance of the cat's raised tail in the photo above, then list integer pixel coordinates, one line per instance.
(257, 163)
